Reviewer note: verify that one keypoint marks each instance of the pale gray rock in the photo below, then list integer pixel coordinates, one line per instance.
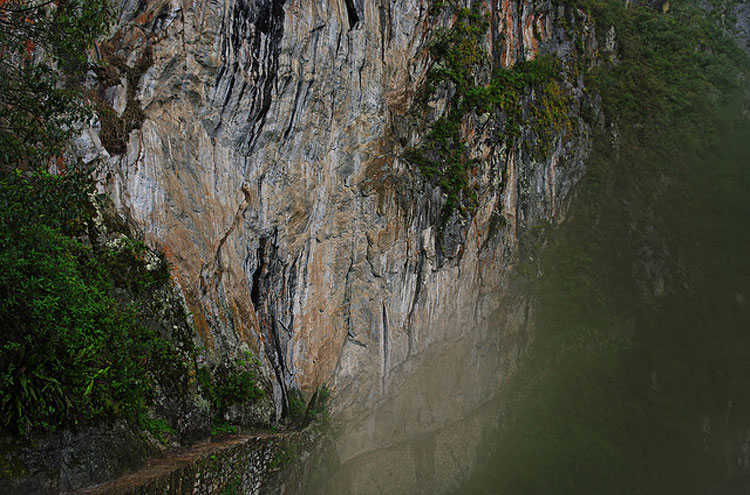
(117, 97)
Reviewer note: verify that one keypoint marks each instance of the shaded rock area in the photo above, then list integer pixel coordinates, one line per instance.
(69, 460)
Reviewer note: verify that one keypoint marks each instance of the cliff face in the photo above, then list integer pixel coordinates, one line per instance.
(268, 166)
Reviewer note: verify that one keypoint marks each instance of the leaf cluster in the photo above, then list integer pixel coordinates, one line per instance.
(80, 339)
(227, 386)
(69, 351)
(302, 413)
(41, 40)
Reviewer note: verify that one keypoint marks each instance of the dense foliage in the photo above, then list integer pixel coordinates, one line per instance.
(637, 381)
(70, 351)
(75, 345)
(301, 413)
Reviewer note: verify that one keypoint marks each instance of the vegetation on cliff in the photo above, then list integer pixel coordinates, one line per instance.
(39, 42)
(637, 380)
(71, 351)
(75, 345)
(459, 59)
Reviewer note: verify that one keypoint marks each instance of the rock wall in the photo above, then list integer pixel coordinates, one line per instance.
(268, 166)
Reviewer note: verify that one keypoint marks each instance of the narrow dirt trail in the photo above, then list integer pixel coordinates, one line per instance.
(171, 461)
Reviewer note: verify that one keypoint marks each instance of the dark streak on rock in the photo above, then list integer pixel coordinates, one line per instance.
(251, 48)
(351, 11)
(269, 294)
(385, 346)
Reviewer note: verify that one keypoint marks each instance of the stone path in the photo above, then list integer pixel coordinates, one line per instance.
(171, 462)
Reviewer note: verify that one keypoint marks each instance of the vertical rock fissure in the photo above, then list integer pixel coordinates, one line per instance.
(255, 291)
(412, 308)
(351, 11)
(275, 32)
(263, 279)
(385, 347)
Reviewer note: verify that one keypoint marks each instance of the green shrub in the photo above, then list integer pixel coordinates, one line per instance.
(297, 405)
(237, 388)
(233, 487)
(226, 387)
(317, 410)
(158, 427)
(38, 111)
(74, 343)
(302, 413)
(219, 428)
(69, 352)
(133, 267)
(284, 456)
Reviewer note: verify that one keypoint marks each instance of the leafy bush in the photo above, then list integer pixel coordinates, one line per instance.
(135, 268)
(302, 413)
(61, 203)
(69, 352)
(40, 41)
(157, 426)
(233, 487)
(284, 456)
(227, 387)
(297, 405)
(320, 402)
(219, 428)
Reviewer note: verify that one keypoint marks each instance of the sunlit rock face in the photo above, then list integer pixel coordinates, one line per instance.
(268, 167)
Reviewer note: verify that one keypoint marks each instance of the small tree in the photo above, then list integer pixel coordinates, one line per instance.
(43, 43)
